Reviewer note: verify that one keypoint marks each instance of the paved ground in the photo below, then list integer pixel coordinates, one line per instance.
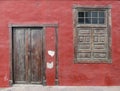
(60, 88)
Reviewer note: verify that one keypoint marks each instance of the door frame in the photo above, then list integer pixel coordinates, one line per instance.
(43, 68)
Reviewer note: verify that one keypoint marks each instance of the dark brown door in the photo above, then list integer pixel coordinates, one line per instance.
(27, 55)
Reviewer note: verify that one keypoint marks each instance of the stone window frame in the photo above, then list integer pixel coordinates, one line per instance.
(107, 24)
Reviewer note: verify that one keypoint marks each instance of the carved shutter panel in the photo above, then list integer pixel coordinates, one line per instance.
(92, 44)
(84, 44)
(100, 42)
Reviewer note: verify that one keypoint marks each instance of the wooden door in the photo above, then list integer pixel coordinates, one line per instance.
(27, 55)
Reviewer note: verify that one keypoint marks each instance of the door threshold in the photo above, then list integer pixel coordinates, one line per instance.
(26, 85)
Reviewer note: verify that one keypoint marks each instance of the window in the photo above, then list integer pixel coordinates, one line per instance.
(92, 36)
(91, 17)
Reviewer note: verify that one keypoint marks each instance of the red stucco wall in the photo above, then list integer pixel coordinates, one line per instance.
(59, 11)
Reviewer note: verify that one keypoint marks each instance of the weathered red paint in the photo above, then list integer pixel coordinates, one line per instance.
(60, 11)
(50, 46)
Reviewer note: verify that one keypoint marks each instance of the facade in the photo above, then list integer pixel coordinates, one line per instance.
(65, 43)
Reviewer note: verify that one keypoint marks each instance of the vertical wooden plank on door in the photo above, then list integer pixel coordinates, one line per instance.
(19, 55)
(36, 55)
(27, 54)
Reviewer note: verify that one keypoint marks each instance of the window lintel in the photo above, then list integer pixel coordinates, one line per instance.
(91, 7)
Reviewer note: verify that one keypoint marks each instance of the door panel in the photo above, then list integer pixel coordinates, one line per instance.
(36, 55)
(19, 55)
(27, 53)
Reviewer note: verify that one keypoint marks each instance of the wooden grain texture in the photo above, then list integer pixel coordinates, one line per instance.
(27, 51)
(92, 44)
(36, 55)
(19, 55)
(27, 54)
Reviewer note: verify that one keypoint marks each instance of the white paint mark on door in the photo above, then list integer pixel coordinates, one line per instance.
(51, 53)
(49, 65)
